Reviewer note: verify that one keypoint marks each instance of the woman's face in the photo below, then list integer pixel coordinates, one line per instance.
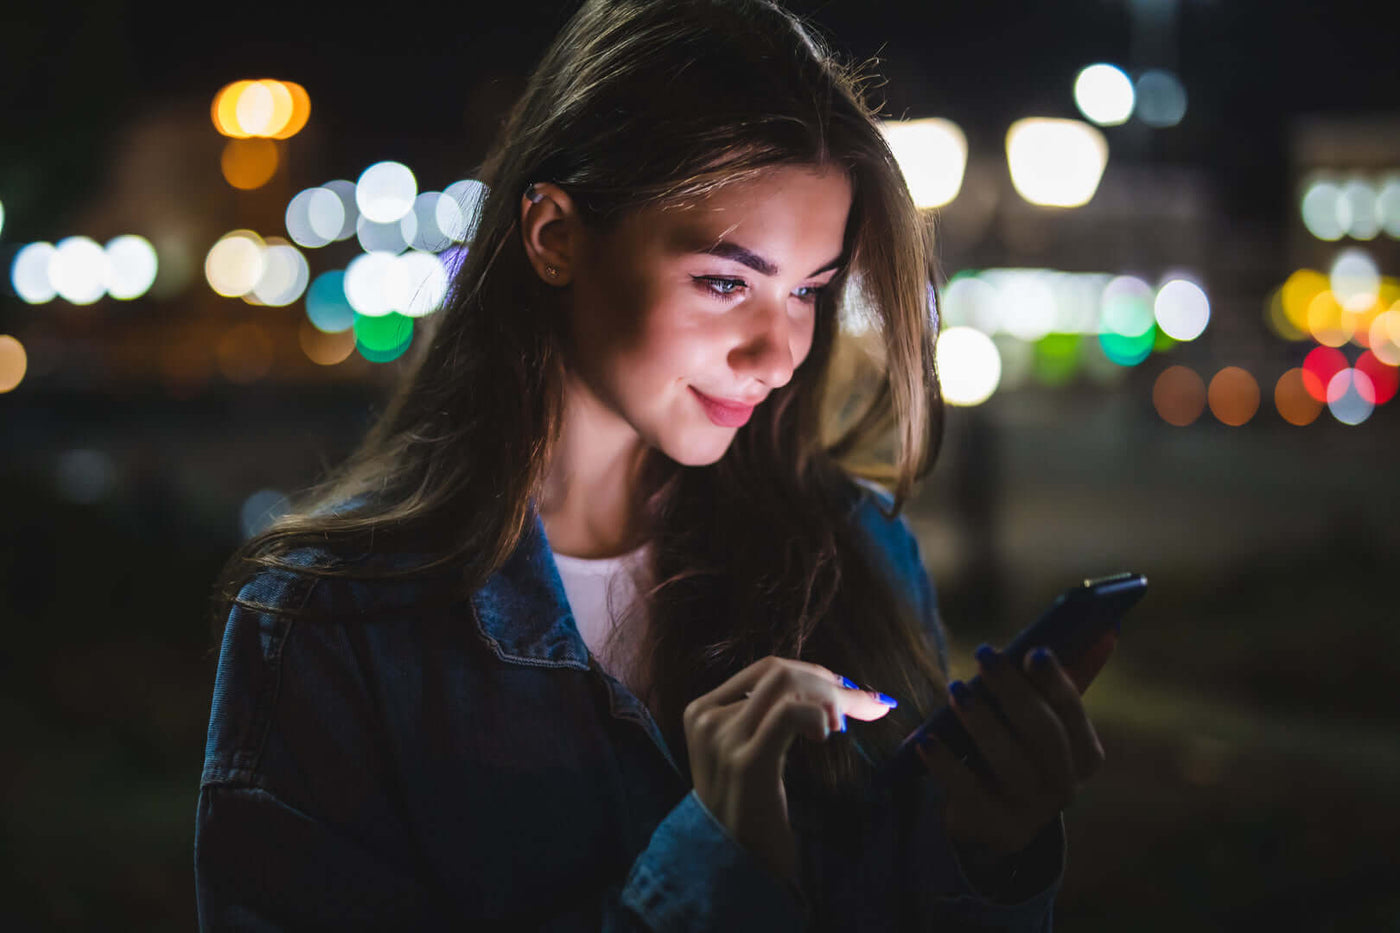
(685, 319)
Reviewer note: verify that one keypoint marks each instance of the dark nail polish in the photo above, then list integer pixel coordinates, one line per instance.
(842, 727)
(962, 694)
(986, 655)
(849, 684)
(1040, 658)
(889, 701)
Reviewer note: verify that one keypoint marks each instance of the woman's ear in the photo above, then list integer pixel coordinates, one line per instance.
(549, 228)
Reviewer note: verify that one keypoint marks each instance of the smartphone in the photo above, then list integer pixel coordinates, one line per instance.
(1081, 626)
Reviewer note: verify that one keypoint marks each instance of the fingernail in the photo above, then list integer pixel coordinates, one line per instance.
(986, 655)
(889, 701)
(848, 683)
(962, 695)
(1040, 658)
(842, 727)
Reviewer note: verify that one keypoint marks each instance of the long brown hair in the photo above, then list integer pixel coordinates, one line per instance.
(644, 102)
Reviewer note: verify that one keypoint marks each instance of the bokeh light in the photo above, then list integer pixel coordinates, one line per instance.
(1182, 309)
(469, 195)
(1054, 162)
(1299, 290)
(1027, 307)
(234, 263)
(326, 349)
(392, 237)
(345, 190)
(14, 362)
(1382, 379)
(1277, 318)
(383, 338)
(1128, 328)
(1360, 199)
(1384, 336)
(932, 155)
(1057, 358)
(1179, 395)
(1354, 279)
(284, 276)
(1233, 396)
(1161, 100)
(131, 266)
(263, 108)
(1324, 212)
(78, 270)
(386, 191)
(968, 365)
(424, 282)
(1349, 395)
(1328, 322)
(370, 281)
(1388, 205)
(1293, 400)
(249, 163)
(29, 273)
(326, 307)
(427, 226)
(1104, 94)
(1319, 366)
(315, 217)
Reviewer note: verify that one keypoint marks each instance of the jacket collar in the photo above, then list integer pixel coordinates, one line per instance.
(523, 611)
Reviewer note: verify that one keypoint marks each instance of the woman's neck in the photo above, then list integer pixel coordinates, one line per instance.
(590, 506)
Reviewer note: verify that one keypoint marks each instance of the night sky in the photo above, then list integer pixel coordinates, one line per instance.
(420, 82)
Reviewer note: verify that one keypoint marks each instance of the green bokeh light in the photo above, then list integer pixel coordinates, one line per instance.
(1057, 358)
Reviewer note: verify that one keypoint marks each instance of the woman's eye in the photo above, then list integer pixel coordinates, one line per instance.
(728, 289)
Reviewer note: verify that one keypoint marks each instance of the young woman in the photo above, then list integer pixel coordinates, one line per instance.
(597, 629)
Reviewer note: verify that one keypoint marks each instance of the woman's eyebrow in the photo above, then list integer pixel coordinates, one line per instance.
(727, 249)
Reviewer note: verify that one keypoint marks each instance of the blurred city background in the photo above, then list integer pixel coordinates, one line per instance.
(1169, 246)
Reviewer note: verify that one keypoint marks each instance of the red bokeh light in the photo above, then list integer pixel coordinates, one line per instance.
(1319, 366)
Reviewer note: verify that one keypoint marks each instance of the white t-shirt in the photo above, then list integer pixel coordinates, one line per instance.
(599, 592)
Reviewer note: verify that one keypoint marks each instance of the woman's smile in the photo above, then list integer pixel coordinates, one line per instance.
(726, 414)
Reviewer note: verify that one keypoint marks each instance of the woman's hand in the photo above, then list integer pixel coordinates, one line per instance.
(738, 736)
(1037, 755)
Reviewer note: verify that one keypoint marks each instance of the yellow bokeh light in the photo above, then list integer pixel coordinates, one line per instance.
(1384, 338)
(249, 163)
(261, 108)
(225, 110)
(13, 362)
(1278, 319)
(1298, 292)
(1328, 322)
(301, 110)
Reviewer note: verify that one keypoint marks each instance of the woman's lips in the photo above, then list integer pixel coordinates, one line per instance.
(724, 414)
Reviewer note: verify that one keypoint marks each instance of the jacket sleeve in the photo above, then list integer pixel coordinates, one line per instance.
(264, 865)
(297, 826)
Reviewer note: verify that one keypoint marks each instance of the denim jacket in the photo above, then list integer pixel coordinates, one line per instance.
(474, 767)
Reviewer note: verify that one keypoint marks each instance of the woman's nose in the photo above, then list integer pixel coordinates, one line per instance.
(765, 351)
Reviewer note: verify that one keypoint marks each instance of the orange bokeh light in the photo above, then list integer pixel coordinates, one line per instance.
(269, 108)
(1233, 396)
(325, 349)
(1292, 399)
(1179, 395)
(249, 163)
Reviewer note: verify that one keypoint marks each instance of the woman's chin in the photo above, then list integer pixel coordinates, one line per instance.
(696, 450)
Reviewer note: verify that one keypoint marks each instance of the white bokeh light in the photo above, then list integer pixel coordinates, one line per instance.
(131, 266)
(284, 278)
(1104, 94)
(469, 195)
(385, 191)
(1027, 307)
(78, 270)
(235, 263)
(423, 279)
(1360, 200)
(969, 367)
(1055, 163)
(1354, 279)
(1182, 309)
(1326, 215)
(932, 155)
(371, 283)
(315, 217)
(1161, 100)
(29, 273)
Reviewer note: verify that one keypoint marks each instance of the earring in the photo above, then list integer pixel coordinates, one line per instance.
(551, 271)
(534, 196)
